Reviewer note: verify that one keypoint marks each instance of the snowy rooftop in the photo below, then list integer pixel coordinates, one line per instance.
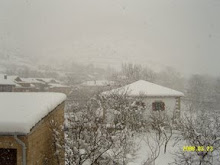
(30, 80)
(145, 88)
(12, 78)
(58, 85)
(97, 83)
(4, 80)
(21, 111)
(48, 80)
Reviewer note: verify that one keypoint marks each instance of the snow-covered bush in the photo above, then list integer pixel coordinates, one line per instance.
(125, 112)
(102, 131)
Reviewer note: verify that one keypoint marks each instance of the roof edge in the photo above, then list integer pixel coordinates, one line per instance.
(42, 119)
(12, 133)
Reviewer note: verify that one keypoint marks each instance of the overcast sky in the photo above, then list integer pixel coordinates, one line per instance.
(184, 34)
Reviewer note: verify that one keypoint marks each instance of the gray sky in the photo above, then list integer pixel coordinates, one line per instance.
(184, 34)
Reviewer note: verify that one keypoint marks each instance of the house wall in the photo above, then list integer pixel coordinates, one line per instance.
(6, 88)
(10, 142)
(25, 89)
(26, 85)
(172, 104)
(41, 146)
(40, 141)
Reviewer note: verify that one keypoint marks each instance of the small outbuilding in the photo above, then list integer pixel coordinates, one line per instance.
(155, 97)
(27, 125)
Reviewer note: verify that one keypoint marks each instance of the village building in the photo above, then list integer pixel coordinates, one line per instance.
(33, 83)
(97, 85)
(14, 78)
(44, 85)
(28, 123)
(83, 92)
(25, 87)
(6, 84)
(93, 83)
(59, 88)
(156, 98)
(18, 84)
(49, 80)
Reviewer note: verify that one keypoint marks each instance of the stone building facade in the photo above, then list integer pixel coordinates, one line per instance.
(38, 145)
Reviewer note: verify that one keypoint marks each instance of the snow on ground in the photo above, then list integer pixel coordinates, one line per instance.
(21, 111)
(144, 151)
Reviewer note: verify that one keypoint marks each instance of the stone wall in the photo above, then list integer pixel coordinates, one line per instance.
(41, 146)
(11, 143)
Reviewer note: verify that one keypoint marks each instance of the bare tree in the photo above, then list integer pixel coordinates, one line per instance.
(91, 137)
(162, 124)
(132, 72)
(203, 134)
(154, 143)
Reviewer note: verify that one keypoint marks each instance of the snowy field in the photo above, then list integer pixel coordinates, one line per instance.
(144, 150)
(167, 158)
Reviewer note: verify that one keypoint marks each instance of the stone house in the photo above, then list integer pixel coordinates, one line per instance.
(27, 125)
(156, 98)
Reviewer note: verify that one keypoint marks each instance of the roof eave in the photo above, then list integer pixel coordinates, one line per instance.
(12, 133)
(155, 95)
(7, 84)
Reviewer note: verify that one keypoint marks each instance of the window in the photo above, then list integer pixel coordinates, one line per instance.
(8, 156)
(158, 106)
(139, 103)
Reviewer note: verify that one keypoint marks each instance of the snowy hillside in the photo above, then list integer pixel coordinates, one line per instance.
(12, 61)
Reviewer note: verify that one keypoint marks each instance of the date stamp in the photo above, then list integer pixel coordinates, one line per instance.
(198, 148)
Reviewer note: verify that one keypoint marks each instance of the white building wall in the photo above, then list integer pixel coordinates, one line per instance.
(170, 104)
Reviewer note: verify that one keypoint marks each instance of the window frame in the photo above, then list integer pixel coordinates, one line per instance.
(156, 107)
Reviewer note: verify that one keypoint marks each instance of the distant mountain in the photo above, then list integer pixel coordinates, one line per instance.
(14, 62)
(116, 62)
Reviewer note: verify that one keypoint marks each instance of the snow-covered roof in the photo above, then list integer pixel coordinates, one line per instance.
(13, 78)
(97, 83)
(21, 111)
(58, 85)
(20, 86)
(48, 80)
(4, 80)
(30, 80)
(145, 88)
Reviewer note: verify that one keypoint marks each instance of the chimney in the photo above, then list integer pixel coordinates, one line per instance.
(5, 77)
